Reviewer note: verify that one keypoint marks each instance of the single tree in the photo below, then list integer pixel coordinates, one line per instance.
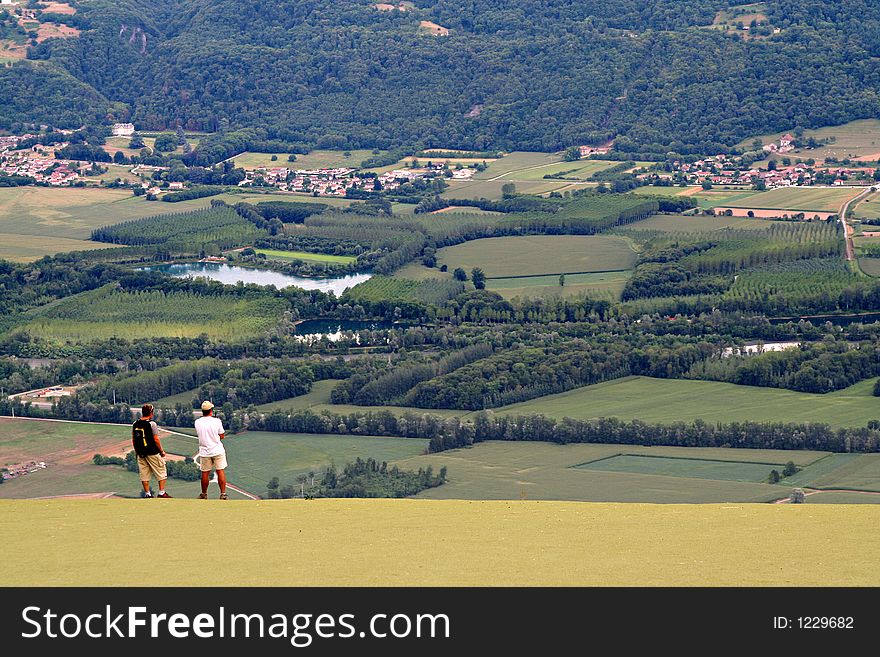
(478, 278)
(459, 274)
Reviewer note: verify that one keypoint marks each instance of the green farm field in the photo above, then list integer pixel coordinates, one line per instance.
(305, 255)
(504, 257)
(870, 266)
(579, 170)
(857, 139)
(40, 221)
(598, 285)
(318, 399)
(104, 313)
(691, 223)
(671, 400)
(868, 208)
(257, 456)
(518, 161)
(816, 199)
(491, 189)
(605, 473)
(304, 542)
(321, 159)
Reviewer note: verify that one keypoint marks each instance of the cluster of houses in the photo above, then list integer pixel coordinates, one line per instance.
(727, 170)
(785, 145)
(13, 471)
(329, 182)
(38, 162)
(57, 173)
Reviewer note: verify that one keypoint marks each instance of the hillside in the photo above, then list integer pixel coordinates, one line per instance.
(322, 543)
(532, 76)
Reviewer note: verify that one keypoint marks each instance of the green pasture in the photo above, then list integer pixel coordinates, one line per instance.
(545, 471)
(671, 400)
(307, 256)
(257, 456)
(320, 159)
(692, 223)
(504, 257)
(604, 285)
(807, 199)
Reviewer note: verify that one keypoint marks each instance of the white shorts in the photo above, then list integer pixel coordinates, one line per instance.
(208, 463)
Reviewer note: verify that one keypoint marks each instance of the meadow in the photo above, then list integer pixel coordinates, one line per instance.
(319, 159)
(518, 161)
(257, 456)
(305, 255)
(106, 313)
(868, 208)
(504, 257)
(40, 221)
(609, 473)
(568, 543)
(491, 189)
(578, 170)
(691, 223)
(672, 400)
(816, 199)
(597, 285)
(857, 139)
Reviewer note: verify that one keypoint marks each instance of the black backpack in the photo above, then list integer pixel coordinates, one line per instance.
(142, 438)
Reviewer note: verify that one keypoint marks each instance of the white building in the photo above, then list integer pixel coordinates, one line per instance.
(122, 129)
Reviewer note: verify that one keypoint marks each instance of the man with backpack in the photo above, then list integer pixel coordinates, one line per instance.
(150, 455)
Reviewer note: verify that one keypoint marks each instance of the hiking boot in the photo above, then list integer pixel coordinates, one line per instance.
(203, 496)
(163, 495)
(223, 496)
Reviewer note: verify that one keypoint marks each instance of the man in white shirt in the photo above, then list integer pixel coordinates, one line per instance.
(212, 454)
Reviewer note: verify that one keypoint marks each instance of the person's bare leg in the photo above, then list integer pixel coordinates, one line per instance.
(206, 477)
(221, 479)
(162, 484)
(146, 485)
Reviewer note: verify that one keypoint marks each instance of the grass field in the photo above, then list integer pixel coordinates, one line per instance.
(544, 471)
(692, 223)
(304, 255)
(314, 160)
(606, 285)
(669, 400)
(871, 266)
(579, 170)
(39, 221)
(491, 189)
(857, 139)
(105, 313)
(390, 543)
(868, 208)
(503, 257)
(257, 456)
(518, 161)
(817, 199)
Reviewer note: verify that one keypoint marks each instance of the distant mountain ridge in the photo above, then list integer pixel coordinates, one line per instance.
(653, 74)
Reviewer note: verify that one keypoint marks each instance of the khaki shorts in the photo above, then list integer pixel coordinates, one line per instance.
(208, 463)
(153, 465)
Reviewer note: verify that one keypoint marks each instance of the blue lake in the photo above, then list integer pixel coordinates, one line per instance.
(230, 275)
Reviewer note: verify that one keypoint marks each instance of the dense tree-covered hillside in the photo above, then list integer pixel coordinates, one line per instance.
(510, 74)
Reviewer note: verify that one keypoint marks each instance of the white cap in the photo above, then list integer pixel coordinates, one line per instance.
(207, 406)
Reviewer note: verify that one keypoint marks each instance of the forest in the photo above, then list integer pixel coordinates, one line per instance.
(510, 75)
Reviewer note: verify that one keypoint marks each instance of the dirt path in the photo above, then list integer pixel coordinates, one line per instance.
(847, 229)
